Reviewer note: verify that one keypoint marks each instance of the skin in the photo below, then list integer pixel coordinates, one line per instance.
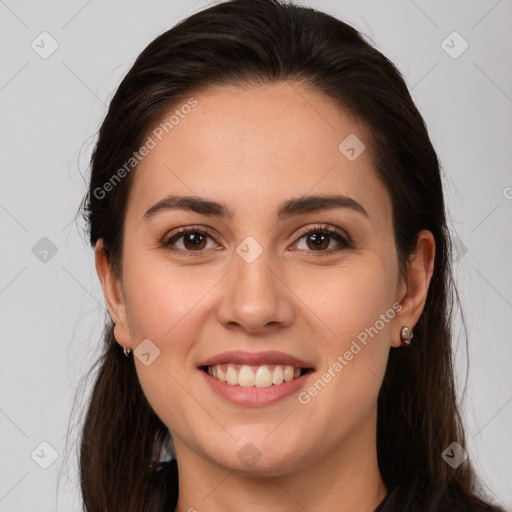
(252, 148)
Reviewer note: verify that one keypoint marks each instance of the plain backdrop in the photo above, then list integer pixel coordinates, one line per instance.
(51, 305)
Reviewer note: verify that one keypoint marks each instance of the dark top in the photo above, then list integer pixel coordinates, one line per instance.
(393, 502)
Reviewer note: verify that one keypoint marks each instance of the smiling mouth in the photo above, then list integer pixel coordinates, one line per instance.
(262, 376)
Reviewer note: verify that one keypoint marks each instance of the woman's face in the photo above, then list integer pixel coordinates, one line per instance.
(265, 279)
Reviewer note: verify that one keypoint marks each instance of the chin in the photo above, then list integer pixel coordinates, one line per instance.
(255, 458)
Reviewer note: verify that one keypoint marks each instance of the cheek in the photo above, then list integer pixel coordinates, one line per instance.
(159, 298)
(352, 300)
(162, 306)
(356, 305)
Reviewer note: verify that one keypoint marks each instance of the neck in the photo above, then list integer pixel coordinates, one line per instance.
(344, 479)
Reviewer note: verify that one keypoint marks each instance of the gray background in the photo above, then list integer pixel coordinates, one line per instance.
(52, 311)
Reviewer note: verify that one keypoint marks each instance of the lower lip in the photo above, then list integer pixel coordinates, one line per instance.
(252, 396)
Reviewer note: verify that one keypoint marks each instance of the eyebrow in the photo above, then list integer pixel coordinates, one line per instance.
(289, 208)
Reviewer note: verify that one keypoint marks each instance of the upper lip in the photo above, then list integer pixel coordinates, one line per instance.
(256, 359)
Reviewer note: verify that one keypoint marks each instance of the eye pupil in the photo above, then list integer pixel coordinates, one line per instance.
(194, 238)
(319, 239)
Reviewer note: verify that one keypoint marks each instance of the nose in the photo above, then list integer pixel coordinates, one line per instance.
(255, 297)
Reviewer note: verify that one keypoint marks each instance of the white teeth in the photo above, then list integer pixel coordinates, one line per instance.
(220, 374)
(231, 375)
(260, 377)
(277, 375)
(288, 374)
(245, 377)
(263, 377)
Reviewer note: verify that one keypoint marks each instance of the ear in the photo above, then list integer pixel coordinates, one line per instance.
(414, 285)
(113, 293)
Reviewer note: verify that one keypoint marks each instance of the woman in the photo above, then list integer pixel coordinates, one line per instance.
(269, 229)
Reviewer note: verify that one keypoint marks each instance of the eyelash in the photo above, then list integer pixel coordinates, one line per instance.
(321, 229)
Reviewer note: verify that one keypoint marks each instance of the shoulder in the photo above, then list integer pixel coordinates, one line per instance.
(433, 500)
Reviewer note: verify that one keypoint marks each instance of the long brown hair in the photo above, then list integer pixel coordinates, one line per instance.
(268, 41)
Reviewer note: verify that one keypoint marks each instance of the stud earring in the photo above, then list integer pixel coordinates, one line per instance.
(406, 335)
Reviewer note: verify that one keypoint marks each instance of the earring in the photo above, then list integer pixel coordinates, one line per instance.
(406, 335)
(127, 351)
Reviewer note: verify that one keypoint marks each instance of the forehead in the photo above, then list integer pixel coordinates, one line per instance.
(251, 146)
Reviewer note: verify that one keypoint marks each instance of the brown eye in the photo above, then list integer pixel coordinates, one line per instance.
(319, 239)
(193, 240)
